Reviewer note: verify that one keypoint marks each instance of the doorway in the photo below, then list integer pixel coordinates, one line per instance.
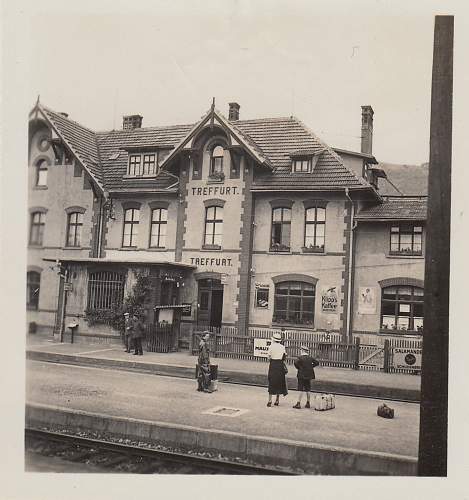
(210, 300)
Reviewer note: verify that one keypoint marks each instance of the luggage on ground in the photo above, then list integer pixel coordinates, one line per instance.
(385, 411)
(324, 402)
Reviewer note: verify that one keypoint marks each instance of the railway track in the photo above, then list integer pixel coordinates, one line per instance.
(118, 457)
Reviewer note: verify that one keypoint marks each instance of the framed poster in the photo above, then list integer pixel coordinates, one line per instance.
(329, 300)
(262, 296)
(367, 300)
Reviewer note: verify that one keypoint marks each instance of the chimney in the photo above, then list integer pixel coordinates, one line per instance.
(233, 114)
(132, 121)
(367, 129)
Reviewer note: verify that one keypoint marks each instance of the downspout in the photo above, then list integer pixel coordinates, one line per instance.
(348, 325)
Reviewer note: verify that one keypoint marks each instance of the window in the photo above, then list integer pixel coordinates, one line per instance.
(74, 225)
(33, 284)
(135, 165)
(41, 173)
(402, 308)
(159, 223)
(315, 224)
(406, 239)
(143, 164)
(131, 220)
(105, 290)
(281, 229)
(294, 303)
(301, 165)
(213, 226)
(37, 228)
(216, 161)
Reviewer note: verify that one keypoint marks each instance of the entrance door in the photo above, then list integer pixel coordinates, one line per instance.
(210, 300)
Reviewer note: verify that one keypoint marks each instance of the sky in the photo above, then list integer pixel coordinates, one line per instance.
(166, 61)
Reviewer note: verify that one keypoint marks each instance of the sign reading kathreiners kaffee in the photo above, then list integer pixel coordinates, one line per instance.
(329, 300)
(407, 358)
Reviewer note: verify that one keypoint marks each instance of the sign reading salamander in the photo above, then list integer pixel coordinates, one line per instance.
(215, 190)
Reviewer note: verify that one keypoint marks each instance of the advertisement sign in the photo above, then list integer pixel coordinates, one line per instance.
(187, 309)
(366, 300)
(261, 347)
(262, 296)
(329, 300)
(404, 357)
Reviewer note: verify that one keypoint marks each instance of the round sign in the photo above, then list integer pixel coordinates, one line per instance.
(410, 359)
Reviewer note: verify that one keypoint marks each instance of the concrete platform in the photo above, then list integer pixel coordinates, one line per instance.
(350, 439)
(181, 364)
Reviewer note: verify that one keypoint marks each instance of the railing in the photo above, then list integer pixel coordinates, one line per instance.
(159, 337)
(328, 351)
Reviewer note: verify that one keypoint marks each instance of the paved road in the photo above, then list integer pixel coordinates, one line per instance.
(353, 424)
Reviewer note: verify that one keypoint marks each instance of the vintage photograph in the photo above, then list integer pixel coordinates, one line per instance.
(238, 239)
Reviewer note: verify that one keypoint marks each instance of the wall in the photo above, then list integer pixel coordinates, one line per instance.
(373, 264)
(326, 268)
(67, 186)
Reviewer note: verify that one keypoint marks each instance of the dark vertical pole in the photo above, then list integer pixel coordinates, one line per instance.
(434, 392)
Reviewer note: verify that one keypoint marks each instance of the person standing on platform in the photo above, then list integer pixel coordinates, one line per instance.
(137, 334)
(128, 327)
(203, 375)
(305, 365)
(277, 369)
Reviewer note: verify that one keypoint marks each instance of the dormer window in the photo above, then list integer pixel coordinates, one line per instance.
(143, 164)
(302, 165)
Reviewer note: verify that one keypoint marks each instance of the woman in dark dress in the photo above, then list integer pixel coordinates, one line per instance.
(276, 375)
(203, 377)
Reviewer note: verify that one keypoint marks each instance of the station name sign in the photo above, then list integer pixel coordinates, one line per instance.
(212, 261)
(215, 190)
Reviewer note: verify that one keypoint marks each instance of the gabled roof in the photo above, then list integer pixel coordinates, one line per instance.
(399, 208)
(270, 141)
(81, 141)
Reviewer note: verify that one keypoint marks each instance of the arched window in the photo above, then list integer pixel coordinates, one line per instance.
(131, 220)
(33, 285)
(159, 223)
(315, 226)
(281, 229)
(41, 173)
(213, 226)
(36, 233)
(105, 290)
(402, 308)
(294, 303)
(216, 160)
(74, 225)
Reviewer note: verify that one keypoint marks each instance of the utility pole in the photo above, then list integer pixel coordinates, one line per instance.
(434, 391)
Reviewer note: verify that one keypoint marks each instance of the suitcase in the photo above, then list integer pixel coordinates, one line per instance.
(324, 402)
(385, 411)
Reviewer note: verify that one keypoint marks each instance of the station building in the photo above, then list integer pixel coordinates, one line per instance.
(242, 223)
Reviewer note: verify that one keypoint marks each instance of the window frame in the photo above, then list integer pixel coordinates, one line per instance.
(406, 229)
(315, 223)
(32, 305)
(139, 164)
(158, 223)
(77, 227)
(104, 291)
(211, 244)
(38, 227)
(213, 158)
(42, 165)
(281, 248)
(302, 161)
(290, 299)
(397, 301)
(134, 226)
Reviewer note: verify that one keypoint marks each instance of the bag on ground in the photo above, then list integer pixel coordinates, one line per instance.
(324, 402)
(385, 411)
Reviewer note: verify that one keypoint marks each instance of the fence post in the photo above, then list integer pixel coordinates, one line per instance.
(387, 353)
(216, 344)
(356, 361)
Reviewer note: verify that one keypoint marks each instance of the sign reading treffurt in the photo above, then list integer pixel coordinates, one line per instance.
(329, 300)
(215, 190)
(407, 358)
(261, 347)
(212, 261)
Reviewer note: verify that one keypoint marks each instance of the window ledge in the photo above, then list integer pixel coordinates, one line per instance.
(157, 249)
(147, 176)
(72, 247)
(404, 256)
(40, 188)
(319, 251)
(275, 252)
(128, 248)
(293, 326)
(35, 245)
(212, 247)
(215, 181)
